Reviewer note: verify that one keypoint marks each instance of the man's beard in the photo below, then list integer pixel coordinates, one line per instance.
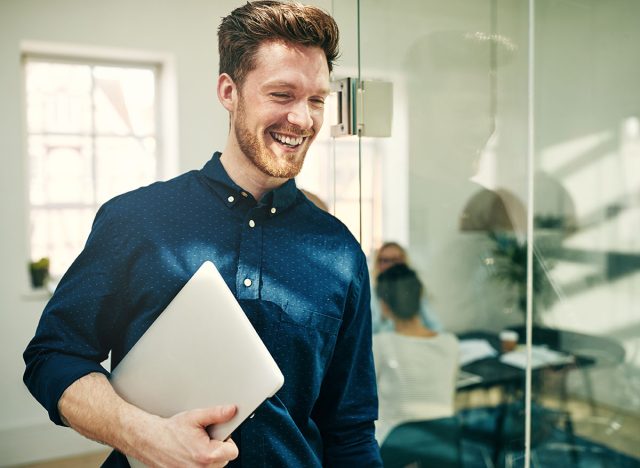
(286, 166)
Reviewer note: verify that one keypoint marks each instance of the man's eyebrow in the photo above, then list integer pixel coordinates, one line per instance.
(287, 85)
(278, 84)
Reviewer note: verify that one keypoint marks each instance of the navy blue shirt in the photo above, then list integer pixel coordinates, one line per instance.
(308, 297)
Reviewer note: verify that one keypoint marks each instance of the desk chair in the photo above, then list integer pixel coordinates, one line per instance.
(423, 444)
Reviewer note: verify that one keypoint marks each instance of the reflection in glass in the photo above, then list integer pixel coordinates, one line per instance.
(587, 218)
(459, 147)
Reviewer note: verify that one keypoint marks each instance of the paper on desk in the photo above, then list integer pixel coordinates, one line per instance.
(475, 349)
(540, 356)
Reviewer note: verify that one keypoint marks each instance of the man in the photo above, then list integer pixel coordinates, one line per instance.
(299, 275)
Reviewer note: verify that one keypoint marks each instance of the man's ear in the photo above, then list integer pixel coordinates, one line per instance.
(227, 92)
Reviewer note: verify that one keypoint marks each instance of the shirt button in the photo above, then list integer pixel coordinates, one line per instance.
(230, 199)
(247, 282)
(273, 210)
(252, 223)
(244, 194)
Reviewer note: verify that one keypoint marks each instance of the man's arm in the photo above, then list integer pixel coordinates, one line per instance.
(348, 403)
(92, 408)
(90, 312)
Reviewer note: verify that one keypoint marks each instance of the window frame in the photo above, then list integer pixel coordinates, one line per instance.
(165, 165)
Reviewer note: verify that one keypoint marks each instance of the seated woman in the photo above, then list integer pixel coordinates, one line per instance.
(388, 255)
(416, 367)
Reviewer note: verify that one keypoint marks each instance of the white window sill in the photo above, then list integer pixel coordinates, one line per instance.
(36, 294)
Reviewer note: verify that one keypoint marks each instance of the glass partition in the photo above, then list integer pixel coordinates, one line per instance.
(586, 219)
(453, 192)
(450, 187)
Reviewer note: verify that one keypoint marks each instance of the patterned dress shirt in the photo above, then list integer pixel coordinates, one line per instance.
(298, 274)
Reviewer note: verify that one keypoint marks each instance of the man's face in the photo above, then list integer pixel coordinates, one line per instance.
(281, 107)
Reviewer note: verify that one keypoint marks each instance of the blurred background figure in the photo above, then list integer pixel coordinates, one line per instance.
(390, 254)
(416, 367)
(319, 202)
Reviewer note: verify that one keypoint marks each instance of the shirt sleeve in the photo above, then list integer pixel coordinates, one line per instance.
(74, 333)
(348, 404)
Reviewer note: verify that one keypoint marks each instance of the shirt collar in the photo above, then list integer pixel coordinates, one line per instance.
(279, 198)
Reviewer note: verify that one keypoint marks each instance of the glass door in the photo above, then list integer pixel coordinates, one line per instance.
(509, 184)
(453, 191)
(586, 220)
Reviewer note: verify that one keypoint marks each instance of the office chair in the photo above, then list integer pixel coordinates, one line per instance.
(423, 444)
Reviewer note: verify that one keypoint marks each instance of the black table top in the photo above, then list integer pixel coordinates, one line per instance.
(493, 372)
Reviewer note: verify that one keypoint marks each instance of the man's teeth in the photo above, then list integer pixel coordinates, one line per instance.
(291, 141)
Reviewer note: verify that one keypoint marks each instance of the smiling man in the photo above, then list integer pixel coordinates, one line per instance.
(298, 273)
(276, 112)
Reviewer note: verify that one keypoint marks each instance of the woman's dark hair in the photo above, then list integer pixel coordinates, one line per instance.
(243, 31)
(400, 288)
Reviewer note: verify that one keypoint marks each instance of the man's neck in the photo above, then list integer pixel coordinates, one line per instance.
(244, 173)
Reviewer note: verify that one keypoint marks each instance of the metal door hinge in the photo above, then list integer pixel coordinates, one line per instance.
(364, 107)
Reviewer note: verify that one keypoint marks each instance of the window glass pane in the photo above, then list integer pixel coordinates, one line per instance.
(124, 100)
(60, 169)
(58, 98)
(123, 164)
(346, 172)
(60, 235)
(348, 212)
(90, 136)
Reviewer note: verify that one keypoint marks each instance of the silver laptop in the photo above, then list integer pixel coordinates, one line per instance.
(202, 351)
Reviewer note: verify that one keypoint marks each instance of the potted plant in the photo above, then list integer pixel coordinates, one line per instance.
(509, 266)
(39, 272)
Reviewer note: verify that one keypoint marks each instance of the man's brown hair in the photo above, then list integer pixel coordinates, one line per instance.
(241, 33)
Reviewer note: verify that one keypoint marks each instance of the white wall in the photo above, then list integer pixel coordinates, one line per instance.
(184, 30)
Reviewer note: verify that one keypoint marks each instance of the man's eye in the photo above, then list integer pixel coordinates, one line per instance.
(318, 101)
(280, 95)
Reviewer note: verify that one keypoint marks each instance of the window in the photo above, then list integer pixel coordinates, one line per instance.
(349, 185)
(92, 133)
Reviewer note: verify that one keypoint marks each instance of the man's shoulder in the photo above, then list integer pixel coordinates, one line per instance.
(159, 195)
(324, 223)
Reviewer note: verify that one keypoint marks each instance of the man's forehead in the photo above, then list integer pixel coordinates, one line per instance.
(321, 87)
(290, 65)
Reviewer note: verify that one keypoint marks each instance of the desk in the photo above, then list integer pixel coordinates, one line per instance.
(493, 372)
(588, 352)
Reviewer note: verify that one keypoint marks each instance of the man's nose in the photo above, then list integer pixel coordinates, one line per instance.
(300, 116)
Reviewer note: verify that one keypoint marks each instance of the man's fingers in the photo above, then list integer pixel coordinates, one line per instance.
(218, 414)
(227, 450)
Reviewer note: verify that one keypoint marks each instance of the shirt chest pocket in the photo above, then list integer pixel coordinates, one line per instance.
(310, 332)
(300, 340)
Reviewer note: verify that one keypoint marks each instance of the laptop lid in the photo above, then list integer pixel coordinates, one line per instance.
(202, 351)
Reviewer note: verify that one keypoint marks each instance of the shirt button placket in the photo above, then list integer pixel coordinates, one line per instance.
(250, 259)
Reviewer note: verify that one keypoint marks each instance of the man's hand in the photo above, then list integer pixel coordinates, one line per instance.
(183, 440)
(91, 407)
